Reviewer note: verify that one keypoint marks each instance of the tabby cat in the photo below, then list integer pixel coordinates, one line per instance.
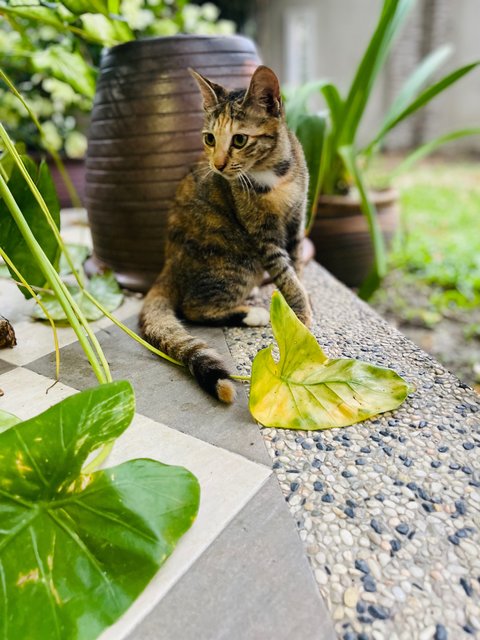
(235, 216)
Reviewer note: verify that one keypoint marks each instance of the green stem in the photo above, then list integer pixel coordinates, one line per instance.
(91, 335)
(68, 304)
(72, 192)
(31, 291)
(128, 331)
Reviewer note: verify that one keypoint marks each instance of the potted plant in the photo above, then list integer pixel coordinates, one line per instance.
(52, 54)
(342, 208)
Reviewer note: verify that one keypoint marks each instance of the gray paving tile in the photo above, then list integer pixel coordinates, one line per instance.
(5, 366)
(165, 392)
(252, 583)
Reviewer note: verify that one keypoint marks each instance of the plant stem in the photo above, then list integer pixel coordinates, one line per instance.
(91, 335)
(42, 306)
(128, 331)
(72, 192)
(69, 306)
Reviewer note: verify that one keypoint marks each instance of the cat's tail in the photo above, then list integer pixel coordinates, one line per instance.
(163, 330)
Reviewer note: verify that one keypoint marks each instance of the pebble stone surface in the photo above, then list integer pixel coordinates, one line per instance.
(389, 509)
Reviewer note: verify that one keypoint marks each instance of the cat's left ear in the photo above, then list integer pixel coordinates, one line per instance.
(212, 93)
(264, 91)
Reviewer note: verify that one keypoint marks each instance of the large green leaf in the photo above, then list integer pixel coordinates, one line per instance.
(67, 66)
(310, 132)
(305, 390)
(76, 550)
(11, 240)
(7, 420)
(102, 287)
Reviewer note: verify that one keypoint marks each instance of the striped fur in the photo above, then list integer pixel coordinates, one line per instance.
(238, 213)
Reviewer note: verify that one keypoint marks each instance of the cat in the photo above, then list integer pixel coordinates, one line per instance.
(234, 218)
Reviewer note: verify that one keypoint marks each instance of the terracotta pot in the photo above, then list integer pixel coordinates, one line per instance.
(341, 236)
(145, 133)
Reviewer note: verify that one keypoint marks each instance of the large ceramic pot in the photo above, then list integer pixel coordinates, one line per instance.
(145, 133)
(341, 236)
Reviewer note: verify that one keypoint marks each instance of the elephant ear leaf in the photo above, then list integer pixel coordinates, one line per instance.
(77, 549)
(306, 390)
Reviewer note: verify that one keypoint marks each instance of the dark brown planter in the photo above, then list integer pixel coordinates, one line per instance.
(341, 236)
(145, 133)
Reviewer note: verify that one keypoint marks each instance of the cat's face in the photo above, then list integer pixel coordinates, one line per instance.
(241, 127)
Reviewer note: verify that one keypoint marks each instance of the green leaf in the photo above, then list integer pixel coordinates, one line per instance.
(297, 101)
(431, 146)
(86, 6)
(67, 66)
(35, 13)
(78, 254)
(368, 209)
(102, 287)
(11, 240)
(76, 550)
(393, 15)
(310, 132)
(425, 97)
(7, 420)
(108, 31)
(412, 86)
(305, 390)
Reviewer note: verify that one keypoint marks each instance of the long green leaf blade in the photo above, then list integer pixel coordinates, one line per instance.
(368, 208)
(427, 95)
(412, 86)
(392, 17)
(311, 132)
(431, 146)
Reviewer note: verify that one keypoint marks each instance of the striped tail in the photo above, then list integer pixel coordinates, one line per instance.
(163, 330)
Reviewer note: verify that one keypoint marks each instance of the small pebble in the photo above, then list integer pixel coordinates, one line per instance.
(402, 528)
(467, 586)
(362, 566)
(327, 497)
(440, 633)
(395, 545)
(318, 486)
(379, 612)
(369, 583)
(376, 526)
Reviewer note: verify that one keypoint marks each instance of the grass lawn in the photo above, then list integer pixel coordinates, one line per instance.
(432, 292)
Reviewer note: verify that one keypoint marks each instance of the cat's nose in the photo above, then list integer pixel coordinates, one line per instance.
(220, 165)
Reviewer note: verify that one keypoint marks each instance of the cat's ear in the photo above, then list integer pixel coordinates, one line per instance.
(212, 93)
(264, 91)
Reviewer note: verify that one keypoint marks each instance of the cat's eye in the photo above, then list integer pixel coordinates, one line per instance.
(239, 140)
(209, 139)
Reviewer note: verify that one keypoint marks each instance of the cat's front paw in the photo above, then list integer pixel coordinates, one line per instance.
(256, 317)
(305, 316)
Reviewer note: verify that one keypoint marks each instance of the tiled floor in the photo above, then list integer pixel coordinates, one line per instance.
(240, 572)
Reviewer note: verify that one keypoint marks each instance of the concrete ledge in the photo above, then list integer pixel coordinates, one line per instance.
(389, 509)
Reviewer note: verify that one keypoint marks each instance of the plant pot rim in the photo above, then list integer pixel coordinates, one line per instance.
(352, 199)
(194, 37)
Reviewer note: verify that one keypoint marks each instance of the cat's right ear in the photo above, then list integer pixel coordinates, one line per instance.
(212, 93)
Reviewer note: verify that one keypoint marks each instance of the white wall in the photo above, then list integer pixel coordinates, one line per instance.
(337, 32)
